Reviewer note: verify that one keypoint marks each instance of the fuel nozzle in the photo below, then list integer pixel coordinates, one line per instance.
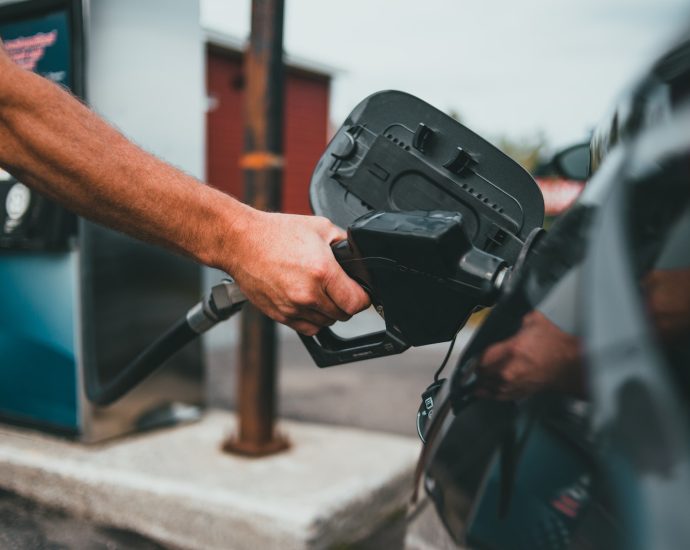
(224, 300)
(502, 277)
(424, 275)
(482, 273)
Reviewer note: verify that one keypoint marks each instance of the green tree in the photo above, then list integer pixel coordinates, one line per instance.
(525, 151)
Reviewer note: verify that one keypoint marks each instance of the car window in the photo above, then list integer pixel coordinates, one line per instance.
(658, 223)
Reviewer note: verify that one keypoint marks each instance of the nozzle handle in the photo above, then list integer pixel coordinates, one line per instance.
(328, 349)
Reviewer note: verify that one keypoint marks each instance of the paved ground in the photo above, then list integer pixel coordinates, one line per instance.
(380, 395)
(26, 526)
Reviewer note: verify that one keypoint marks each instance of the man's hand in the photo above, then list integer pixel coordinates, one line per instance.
(668, 299)
(285, 266)
(539, 357)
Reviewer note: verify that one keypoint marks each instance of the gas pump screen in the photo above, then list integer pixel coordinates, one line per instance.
(41, 44)
(44, 36)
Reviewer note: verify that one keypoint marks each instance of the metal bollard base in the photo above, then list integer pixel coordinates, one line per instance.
(234, 445)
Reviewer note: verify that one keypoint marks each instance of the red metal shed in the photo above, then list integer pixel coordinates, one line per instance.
(307, 89)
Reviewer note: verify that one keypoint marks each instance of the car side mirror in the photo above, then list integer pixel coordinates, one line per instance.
(573, 163)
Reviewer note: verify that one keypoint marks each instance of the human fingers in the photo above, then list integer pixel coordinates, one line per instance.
(488, 382)
(483, 393)
(495, 388)
(328, 274)
(322, 303)
(303, 327)
(493, 370)
(345, 293)
(494, 358)
(303, 306)
(496, 394)
(315, 317)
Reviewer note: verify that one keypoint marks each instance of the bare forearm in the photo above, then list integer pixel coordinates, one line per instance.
(283, 263)
(57, 146)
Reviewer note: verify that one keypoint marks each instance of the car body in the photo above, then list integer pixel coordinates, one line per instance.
(608, 469)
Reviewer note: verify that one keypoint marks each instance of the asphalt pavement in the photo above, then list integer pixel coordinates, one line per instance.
(379, 394)
(25, 525)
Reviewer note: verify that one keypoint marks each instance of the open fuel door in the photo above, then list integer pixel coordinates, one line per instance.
(436, 217)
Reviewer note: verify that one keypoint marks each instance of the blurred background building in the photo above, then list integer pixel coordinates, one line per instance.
(307, 99)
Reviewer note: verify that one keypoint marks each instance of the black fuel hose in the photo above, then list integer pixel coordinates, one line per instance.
(224, 300)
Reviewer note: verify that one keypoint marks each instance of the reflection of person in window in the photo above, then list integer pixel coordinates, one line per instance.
(546, 353)
(546, 356)
(541, 356)
(668, 298)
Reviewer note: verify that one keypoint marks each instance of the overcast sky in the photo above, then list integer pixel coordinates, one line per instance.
(511, 68)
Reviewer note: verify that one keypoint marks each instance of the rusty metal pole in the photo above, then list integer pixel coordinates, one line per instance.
(263, 170)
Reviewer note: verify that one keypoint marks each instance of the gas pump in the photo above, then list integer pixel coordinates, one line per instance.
(79, 301)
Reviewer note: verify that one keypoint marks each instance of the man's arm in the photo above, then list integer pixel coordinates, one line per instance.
(283, 263)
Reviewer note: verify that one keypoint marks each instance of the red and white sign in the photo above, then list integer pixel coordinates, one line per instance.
(27, 51)
(559, 193)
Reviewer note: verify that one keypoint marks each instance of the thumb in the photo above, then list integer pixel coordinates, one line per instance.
(330, 232)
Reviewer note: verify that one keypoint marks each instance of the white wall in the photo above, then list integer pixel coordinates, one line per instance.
(145, 74)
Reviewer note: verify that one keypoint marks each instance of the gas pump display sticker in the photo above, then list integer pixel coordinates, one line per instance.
(41, 44)
(43, 37)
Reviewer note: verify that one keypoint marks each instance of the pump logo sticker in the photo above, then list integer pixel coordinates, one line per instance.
(27, 51)
(16, 205)
(571, 499)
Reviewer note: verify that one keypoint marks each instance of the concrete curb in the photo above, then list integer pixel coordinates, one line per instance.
(334, 486)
